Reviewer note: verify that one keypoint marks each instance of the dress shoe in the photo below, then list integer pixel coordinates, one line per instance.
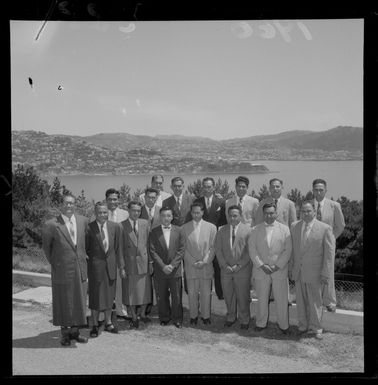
(227, 324)
(94, 332)
(244, 326)
(319, 336)
(259, 328)
(77, 337)
(65, 340)
(164, 323)
(301, 331)
(284, 331)
(220, 297)
(134, 324)
(331, 308)
(193, 321)
(206, 321)
(145, 319)
(178, 325)
(111, 328)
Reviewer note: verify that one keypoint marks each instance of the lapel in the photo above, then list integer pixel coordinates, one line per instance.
(130, 232)
(162, 239)
(171, 237)
(192, 236)
(63, 228)
(110, 235)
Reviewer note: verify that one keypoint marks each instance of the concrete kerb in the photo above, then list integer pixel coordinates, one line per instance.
(342, 321)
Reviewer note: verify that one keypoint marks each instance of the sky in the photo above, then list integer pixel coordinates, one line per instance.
(216, 79)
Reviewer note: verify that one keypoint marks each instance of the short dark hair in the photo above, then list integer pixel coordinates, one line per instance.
(111, 191)
(176, 178)
(155, 176)
(234, 207)
(99, 204)
(131, 203)
(197, 203)
(243, 179)
(275, 180)
(268, 205)
(166, 208)
(208, 178)
(151, 190)
(307, 201)
(69, 195)
(316, 181)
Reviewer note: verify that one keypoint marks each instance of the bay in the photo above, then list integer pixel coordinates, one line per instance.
(344, 178)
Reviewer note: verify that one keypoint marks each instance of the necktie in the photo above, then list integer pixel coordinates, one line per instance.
(240, 203)
(178, 203)
(72, 231)
(135, 230)
(208, 203)
(275, 202)
(306, 231)
(318, 213)
(233, 235)
(149, 213)
(105, 244)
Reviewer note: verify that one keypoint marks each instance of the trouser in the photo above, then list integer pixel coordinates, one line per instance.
(329, 292)
(309, 305)
(119, 307)
(199, 288)
(279, 287)
(169, 299)
(217, 279)
(236, 291)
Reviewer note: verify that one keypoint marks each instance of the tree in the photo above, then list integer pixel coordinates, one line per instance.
(263, 192)
(84, 207)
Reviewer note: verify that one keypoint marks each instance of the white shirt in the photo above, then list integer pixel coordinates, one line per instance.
(321, 204)
(167, 234)
(236, 229)
(68, 225)
(269, 232)
(241, 202)
(105, 228)
(159, 200)
(210, 200)
(152, 212)
(132, 224)
(179, 199)
(197, 229)
(305, 234)
(112, 215)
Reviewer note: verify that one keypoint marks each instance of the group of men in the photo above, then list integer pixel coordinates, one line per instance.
(124, 258)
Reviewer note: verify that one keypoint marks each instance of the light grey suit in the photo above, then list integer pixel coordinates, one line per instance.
(277, 253)
(332, 215)
(199, 279)
(286, 212)
(236, 285)
(249, 208)
(311, 259)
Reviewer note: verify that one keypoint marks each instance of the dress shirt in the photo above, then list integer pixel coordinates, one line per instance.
(167, 234)
(113, 215)
(151, 211)
(197, 229)
(179, 200)
(68, 225)
(236, 229)
(208, 201)
(132, 224)
(308, 229)
(321, 205)
(269, 231)
(105, 229)
(241, 201)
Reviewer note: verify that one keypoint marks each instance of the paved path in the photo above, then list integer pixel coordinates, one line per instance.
(166, 350)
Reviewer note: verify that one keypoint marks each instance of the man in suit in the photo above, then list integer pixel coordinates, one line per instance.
(198, 266)
(328, 211)
(248, 204)
(136, 266)
(157, 184)
(231, 249)
(167, 244)
(270, 250)
(214, 208)
(310, 267)
(117, 215)
(286, 212)
(179, 202)
(150, 210)
(63, 242)
(103, 245)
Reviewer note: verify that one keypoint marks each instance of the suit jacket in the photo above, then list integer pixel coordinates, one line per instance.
(278, 253)
(121, 215)
(203, 250)
(250, 206)
(163, 255)
(60, 251)
(156, 218)
(239, 253)
(214, 214)
(135, 249)
(183, 215)
(314, 258)
(333, 216)
(286, 212)
(101, 264)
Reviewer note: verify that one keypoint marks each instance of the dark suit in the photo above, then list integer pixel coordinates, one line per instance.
(68, 270)
(216, 216)
(102, 266)
(168, 284)
(156, 217)
(183, 215)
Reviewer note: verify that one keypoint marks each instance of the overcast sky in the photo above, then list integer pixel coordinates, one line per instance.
(220, 79)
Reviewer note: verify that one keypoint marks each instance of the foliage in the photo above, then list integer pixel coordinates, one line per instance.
(221, 187)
